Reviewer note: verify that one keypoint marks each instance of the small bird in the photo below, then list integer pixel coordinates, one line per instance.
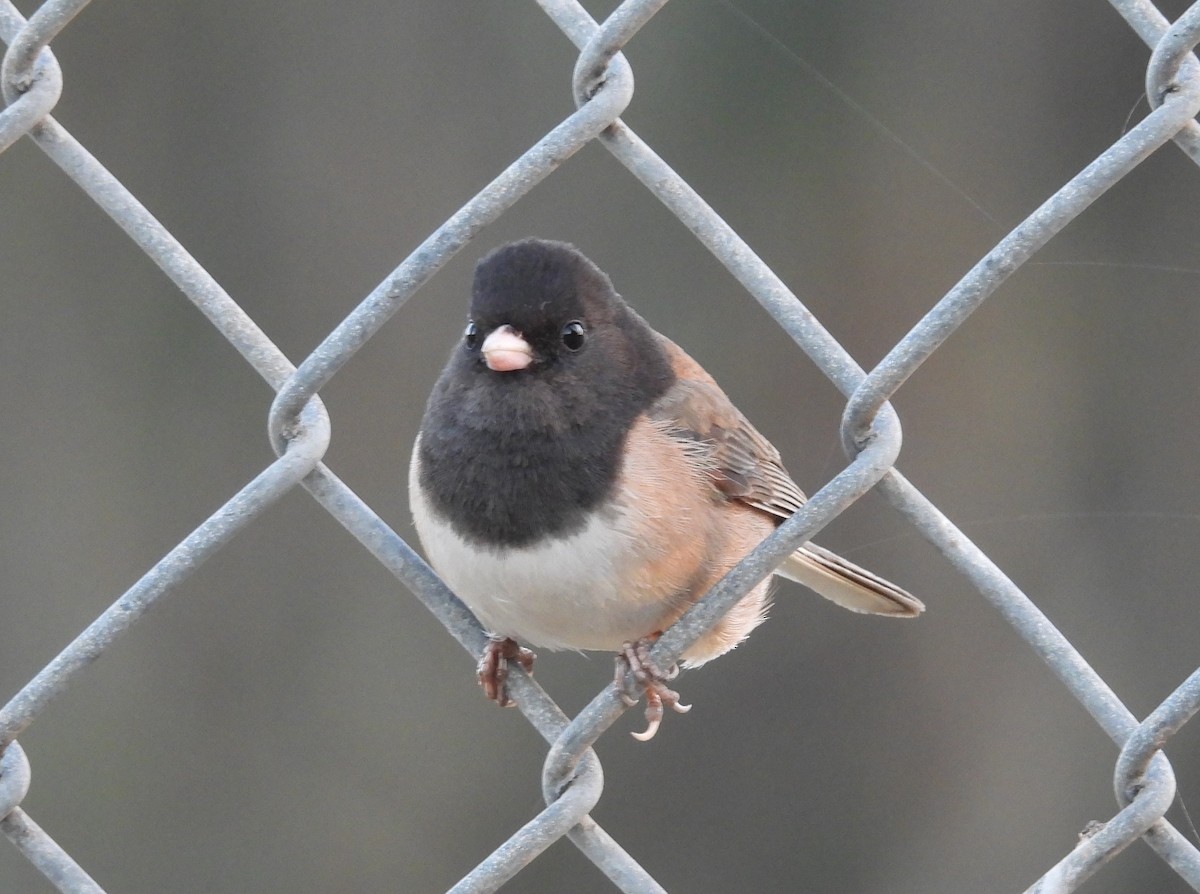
(579, 481)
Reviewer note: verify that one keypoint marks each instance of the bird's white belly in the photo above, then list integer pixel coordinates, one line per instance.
(565, 593)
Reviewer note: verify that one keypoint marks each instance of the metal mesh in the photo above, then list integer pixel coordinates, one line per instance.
(300, 429)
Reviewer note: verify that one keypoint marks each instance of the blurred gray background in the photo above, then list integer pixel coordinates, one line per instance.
(293, 719)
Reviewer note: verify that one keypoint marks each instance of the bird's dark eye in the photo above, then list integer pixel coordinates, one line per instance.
(572, 335)
(471, 335)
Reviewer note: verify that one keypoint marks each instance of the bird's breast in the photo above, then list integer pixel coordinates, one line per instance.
(569, 592)
(631, 569)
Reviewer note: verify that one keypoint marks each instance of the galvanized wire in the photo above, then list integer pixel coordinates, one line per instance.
(300, 430)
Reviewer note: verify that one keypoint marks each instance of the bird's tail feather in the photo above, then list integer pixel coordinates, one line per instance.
(845, 583)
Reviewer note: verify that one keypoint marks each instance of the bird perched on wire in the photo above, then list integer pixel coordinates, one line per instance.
(579, 481)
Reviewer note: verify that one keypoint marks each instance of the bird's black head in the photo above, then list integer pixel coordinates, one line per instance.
(559, 304)
(525, 428)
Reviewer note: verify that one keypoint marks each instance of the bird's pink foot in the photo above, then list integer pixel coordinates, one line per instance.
(635, 658)
(493, 667)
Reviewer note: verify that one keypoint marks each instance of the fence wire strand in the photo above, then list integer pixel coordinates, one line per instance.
(572, 782)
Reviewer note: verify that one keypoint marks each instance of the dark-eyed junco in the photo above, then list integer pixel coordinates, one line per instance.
(579, 481)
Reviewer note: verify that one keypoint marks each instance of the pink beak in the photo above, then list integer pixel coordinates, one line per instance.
(505, 351)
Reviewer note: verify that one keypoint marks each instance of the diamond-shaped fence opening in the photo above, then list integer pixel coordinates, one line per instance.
(269, 722)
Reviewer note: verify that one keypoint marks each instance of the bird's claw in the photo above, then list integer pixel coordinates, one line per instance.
(493, 667)
(634, 658)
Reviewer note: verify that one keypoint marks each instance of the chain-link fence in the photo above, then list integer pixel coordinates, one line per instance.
(300, 432)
